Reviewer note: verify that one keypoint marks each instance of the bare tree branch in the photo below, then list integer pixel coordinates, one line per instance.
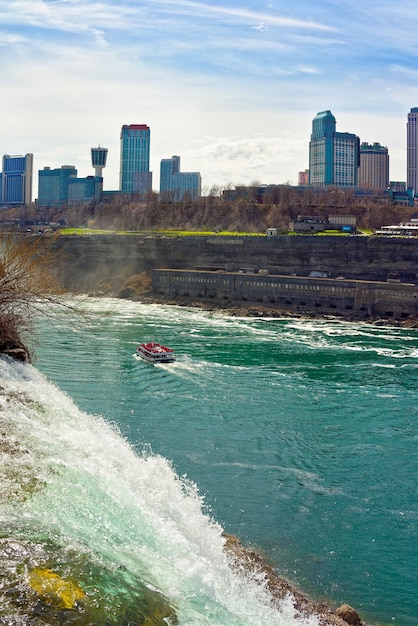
(26, 282)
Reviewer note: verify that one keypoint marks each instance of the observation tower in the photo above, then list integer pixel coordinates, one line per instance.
(98, 160)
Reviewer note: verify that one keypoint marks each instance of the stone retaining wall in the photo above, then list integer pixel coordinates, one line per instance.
(320, 295)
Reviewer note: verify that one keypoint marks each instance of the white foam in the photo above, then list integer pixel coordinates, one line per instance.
(71, 476)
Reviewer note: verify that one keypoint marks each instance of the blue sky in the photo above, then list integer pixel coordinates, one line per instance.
(230, 86)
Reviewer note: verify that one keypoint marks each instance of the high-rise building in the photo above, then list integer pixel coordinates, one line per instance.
(334, 157)
(16, 180)
(412, 150)
(321, 149)
(98, 160)
(61, 186)
(86, 189)
(135, 176)
(53, 185)
(176, 185)
(168, 167)
(374, 166)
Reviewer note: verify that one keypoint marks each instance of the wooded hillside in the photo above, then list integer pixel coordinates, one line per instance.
(215, 212)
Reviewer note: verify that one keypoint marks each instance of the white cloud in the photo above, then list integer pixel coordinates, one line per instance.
(231, 89)
(10, 39)
(260, 27)
(243, 159)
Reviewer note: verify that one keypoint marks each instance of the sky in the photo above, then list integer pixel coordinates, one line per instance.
(231, 86)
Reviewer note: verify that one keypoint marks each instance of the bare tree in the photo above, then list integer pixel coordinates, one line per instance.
(27, 282)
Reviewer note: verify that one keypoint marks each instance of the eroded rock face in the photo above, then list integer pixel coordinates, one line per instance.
(348, 614)
(11, 343)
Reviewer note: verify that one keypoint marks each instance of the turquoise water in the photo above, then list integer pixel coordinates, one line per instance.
(299, 436)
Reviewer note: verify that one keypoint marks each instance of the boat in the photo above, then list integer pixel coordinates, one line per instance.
(153, 352)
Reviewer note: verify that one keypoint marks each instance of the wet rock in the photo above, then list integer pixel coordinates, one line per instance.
(49, 584)
(253, 561)
(348, 614)
(20, 354)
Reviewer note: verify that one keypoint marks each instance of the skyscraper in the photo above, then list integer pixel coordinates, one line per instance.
(168, 167)
(135, 176)
(374, 166)
(334, 157)
(412, 151)
(16, 180)
(175, 185)
(321, 150)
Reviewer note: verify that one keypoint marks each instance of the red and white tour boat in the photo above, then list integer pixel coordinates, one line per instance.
(154, 352)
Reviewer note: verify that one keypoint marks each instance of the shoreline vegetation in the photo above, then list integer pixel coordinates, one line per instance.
(25, 281)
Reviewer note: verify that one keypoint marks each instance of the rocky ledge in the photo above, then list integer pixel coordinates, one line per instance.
(254, 562)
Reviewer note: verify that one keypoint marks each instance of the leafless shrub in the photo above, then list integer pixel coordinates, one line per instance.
(26, 283)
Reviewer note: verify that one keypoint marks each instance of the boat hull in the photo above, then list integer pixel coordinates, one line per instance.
(155, 353)
(156, 359)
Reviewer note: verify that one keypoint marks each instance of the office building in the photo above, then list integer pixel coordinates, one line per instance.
(81, 190)
(399, 193)
(374, 166)
(60, 186)
(53, 185)
(303, 178)
(334, 157)
(16, 180)
(397, 185)
(168, 167)
(176, 185)
(412, 151)
(135, 176)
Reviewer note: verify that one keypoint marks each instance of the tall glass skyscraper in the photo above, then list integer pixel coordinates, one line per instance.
(412, 151)
(321, 150)
(334, 158)
(16, 180)
(135, 176)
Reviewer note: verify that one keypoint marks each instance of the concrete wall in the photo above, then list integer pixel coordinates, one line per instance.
(347, 297)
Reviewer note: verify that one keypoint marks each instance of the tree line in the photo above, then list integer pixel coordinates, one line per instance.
(243, 210)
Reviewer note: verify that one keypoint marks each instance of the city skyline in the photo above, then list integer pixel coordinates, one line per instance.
(233, 89)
